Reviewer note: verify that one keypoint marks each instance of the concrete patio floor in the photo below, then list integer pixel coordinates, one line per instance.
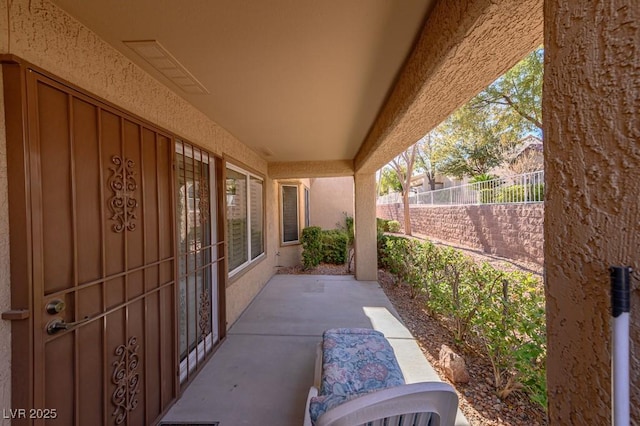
(261, 374)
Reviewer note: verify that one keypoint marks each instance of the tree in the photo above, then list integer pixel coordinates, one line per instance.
(477, 136)
(427, 158)
(403, 166)
(516, 97)
(472, 143)
(388, 182)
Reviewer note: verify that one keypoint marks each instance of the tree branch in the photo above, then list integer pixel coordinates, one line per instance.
(524, 115)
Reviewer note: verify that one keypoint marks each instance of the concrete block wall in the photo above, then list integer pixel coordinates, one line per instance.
(514, 231)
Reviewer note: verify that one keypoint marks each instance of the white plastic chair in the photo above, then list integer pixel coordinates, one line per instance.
(416, 404)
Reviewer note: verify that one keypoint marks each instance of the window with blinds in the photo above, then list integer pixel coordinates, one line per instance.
(257, 214)
(290, 221)
(307, 211)
(245, 217)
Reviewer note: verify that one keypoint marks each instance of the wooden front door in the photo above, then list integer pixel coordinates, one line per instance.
(98, 210)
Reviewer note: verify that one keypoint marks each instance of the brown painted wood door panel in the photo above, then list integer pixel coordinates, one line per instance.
(102, 225)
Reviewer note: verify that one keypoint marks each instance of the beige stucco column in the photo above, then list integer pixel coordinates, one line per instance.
(366, 259)
(591, 111)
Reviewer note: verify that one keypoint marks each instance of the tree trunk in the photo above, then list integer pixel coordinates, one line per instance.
(407, 213)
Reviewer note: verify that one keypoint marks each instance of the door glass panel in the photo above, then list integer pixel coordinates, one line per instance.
(197, 322)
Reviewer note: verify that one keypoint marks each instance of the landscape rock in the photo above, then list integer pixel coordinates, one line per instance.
(453, 365)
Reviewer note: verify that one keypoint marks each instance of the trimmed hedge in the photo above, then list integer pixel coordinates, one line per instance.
(329, 246)
(334, 246)
(311, 246)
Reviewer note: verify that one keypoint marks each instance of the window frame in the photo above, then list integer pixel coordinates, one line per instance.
(284, 243)
(248, 174)
(307, 207)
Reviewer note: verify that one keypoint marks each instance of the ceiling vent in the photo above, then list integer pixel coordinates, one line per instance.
(163, 61)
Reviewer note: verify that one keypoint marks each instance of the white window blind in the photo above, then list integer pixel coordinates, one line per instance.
(290, 213)
(245, 212)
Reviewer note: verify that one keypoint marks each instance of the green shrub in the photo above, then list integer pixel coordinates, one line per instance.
(537, 192)
(382, 225)
(334, 246)
(487, 196)
(393, 226)
(382, 248)
(387, 225)
(406, 259)
(396, 256)
(393, 252)
(432, 268)
(516, 193)
(329, 246)
(527, 298)
(487, 190)
(418, 257)
(484, 177)
(311, 246)
(499, 313)
(511, 194)
(511, 326)
(459, 294)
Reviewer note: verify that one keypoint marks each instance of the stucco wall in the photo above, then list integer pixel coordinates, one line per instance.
(330, 199)
(514, 231)
(591, 113)
(463, 47)
(289, 255)
(46, 36)
(366, 253)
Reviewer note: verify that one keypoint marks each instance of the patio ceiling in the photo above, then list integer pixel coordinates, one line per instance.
(296, 80)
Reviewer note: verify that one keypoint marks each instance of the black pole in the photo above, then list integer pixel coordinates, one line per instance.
(620, 303)
(620, 290)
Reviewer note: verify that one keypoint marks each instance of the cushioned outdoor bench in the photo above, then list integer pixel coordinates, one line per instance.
(358, 382)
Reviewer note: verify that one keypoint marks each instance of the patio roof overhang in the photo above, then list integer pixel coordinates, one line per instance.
(324, 88)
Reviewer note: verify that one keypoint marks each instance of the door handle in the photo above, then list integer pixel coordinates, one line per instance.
(58, 324)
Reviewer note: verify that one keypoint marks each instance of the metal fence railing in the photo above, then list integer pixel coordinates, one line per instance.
(524, 188)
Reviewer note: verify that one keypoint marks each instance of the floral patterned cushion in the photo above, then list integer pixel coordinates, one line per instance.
(355, 361)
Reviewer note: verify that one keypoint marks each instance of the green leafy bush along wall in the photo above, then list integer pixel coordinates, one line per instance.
(516, 194)
(499, 313)
(386, 225)
(334, 246)
(329, 246)
(311, 246)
